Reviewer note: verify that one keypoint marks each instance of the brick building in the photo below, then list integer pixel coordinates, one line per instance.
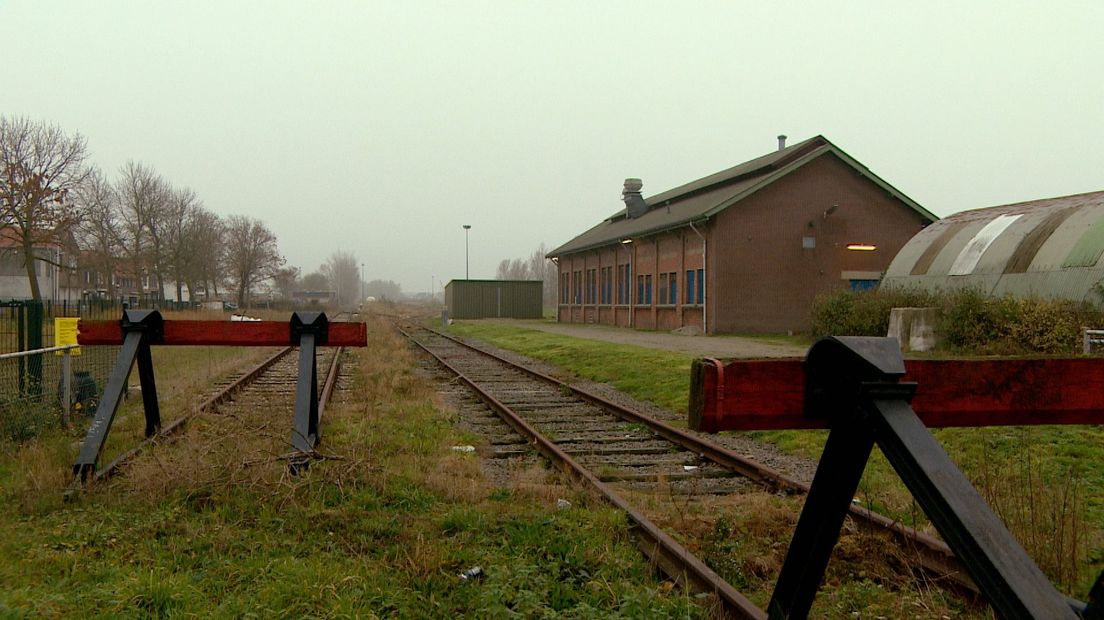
(743, 250)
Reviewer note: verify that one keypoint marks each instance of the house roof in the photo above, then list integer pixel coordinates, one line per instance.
(707, 196)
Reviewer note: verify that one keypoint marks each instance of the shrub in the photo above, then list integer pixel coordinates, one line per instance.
(973, 321)
(848, 313)
(970, 321)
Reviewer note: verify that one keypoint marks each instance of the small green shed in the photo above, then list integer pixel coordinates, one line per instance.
(480, 299)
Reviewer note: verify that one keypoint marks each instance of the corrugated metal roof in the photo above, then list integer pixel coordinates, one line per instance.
(1051, 247)
(709, 195)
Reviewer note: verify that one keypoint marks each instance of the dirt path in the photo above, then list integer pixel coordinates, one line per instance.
(703, 346)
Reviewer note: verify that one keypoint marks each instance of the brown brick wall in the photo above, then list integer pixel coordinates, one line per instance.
(764, 280)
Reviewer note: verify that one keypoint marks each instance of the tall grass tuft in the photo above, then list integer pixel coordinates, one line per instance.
(1043, 508)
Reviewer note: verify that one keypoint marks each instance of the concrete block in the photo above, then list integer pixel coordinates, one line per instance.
(914, 328)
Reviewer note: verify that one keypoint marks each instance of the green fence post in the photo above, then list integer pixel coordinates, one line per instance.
(34, 341)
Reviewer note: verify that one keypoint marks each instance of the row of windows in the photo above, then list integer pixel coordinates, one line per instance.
(601, 284)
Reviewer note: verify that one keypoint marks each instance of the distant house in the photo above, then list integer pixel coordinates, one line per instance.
(744, 250)
(314, 297)
(89, 281)
(14, 282)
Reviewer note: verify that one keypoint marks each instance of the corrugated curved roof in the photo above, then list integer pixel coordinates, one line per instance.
(1051, 248)
(709, 195)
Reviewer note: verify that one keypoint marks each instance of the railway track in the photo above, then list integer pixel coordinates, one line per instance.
(268, 387)
(622, 453)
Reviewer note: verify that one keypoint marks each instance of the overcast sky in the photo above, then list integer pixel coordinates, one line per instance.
(382, 127)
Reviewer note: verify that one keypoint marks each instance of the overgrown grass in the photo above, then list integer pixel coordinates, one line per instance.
(1053, 501)
(205, 527)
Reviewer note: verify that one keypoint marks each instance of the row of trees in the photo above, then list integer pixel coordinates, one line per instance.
(136, 225)
(536, 267)
(139, 225)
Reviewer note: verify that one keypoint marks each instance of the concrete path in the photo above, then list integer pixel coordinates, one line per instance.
(701, 346)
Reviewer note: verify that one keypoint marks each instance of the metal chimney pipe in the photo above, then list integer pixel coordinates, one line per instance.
(634, 201)
(781, 141)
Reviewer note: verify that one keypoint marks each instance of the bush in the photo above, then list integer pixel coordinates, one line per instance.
(970, 321)
(848, 313)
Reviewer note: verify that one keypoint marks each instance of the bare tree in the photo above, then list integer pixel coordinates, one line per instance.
(542, 268)
(342, 272)
(204, 235)
(97, 230)
(158, 223)
(141, 197)
(176, 243)
(39, 166)
(314, 281)
(512, 269)
(536, 267)
(383, 289)
(251, 254)
(285, 280)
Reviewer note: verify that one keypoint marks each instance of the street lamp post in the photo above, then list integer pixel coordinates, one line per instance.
(362, 283)
(467, 227)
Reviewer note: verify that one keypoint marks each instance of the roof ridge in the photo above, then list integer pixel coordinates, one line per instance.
(746, 169)
(1027, 202)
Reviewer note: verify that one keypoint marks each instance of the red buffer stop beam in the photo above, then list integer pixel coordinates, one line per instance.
(770, 394)
(225, 333)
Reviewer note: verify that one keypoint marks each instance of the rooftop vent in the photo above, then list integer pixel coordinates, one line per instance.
(781, 141)
(634, 201)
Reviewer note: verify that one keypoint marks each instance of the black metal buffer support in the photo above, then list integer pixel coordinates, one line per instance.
(140, 328)
(309, 330)
(855, 383)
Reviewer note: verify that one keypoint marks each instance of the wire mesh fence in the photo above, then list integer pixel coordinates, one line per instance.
(31, 383)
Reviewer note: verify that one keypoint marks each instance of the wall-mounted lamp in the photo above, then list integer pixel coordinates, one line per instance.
(626, 241)
(862, 247)
(829, 211)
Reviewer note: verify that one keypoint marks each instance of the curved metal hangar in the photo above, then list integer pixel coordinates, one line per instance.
(1048, 248)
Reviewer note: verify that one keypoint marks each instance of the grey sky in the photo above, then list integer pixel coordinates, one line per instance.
(382, 127)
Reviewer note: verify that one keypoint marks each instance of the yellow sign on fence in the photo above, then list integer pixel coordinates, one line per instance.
(65, 332)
